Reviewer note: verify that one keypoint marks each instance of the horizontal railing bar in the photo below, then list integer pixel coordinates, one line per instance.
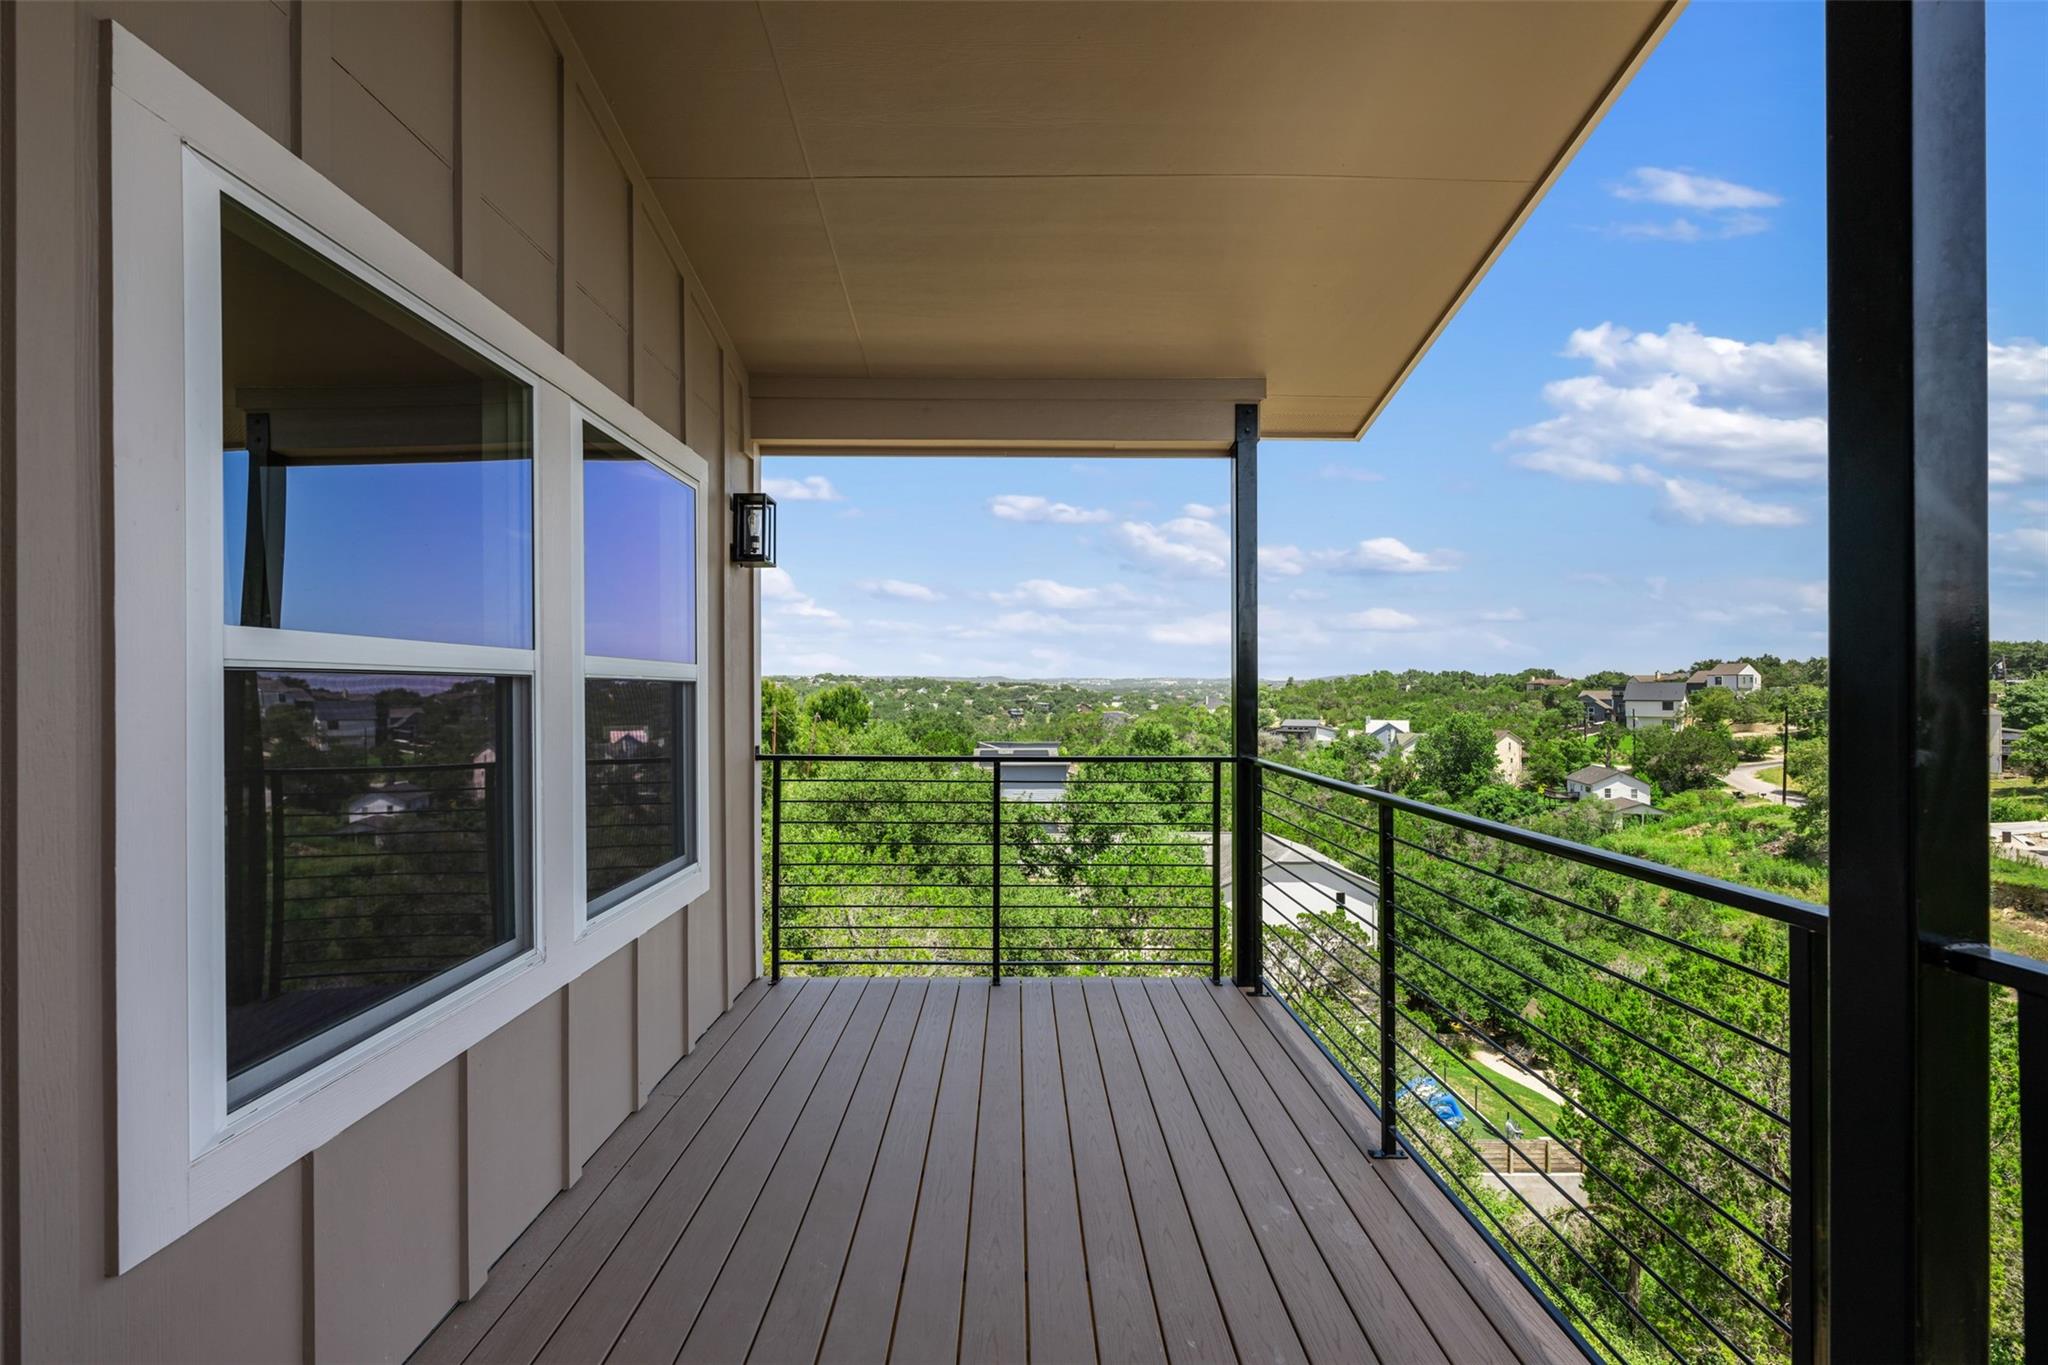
(983, 760)
(365, 770)
(1587, 1213)
(1408, 949)
(1784, 909)
(1643, 986)
(1629, 925)
(1413, 1135)
(1465, 1021)
(2028, 976)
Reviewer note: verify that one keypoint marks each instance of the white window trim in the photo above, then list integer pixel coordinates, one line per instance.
(650, 904)
(177, 1161)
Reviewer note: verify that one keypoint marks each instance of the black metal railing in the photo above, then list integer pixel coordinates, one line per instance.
(369, 875)
(994, 864)
(2025, 1014)
(1504, 997)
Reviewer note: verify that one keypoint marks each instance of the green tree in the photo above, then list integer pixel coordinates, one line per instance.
(1684, 758)
(2030, 753)
(1456, 757)
(2026, 704)
(781, 717)
(1712, 705)
(1808, 762)
(842, 705)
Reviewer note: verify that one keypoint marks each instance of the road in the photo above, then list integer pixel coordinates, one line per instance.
(1743, 778)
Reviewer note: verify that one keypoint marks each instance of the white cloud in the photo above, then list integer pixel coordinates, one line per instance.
(1717, 208)
(1504, 614)
(2029, 542)
(1700, 502)
(1752, 410)
(783, 600)
(1282, 561)
(901, 590)
(1212, 628)
(1031, 507)
(1182, 545)
(1202, 511)
(2018, 378)
(1689, 190)
(1380, 618)
(1037, 623)
(1746, 410)
(1047, 592)
(1385, 554)
(816, 488)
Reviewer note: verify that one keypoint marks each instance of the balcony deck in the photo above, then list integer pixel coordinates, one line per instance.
(861, 1168)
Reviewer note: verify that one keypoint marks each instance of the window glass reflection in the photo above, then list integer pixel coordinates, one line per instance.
(639, 556)
(375, 845)
(636, 788)
(377, 477)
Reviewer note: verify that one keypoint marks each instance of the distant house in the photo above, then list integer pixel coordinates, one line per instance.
(1736, 677)
(1112, 719)
(1016, 713)
(1542, 684)
(1599, 706)
(1649, 703)
(345, 722)
(400, 798)
(1607, 784)
(1508, 754)
(1306, 732)
(1023, 779)
(2002, 737)
(1385, 733)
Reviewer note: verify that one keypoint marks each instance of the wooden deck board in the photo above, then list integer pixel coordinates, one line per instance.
(866, 1169)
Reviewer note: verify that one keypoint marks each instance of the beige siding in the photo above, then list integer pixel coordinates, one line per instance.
(387, 1225)
(379, 86)
(447, 120)
(602, 1017)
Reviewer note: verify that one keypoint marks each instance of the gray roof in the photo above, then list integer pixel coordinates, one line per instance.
(1597, 774)
(1638, 690)
(1297, 724)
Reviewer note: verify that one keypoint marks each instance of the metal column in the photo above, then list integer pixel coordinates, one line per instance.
(1908, 620)
(1245, 876)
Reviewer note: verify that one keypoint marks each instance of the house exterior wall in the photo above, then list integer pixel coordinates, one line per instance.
(474, 130)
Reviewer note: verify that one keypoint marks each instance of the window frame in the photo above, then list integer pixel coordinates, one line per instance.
(651, 896)
(176, 1160)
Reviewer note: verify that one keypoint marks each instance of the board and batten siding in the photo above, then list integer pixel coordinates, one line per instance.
(476, 130)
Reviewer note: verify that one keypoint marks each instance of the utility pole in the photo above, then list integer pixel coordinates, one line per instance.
(1785, 756)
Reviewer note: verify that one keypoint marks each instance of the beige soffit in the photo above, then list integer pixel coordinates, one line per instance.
(1301, 193)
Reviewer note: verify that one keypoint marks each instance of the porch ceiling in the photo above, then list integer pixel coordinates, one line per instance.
(1297, 193)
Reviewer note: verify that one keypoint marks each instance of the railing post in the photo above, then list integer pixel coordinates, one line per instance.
(1390, 1146)
(1216, 872)
(2033, 1059)
(775, 869)
(1809, 1045)
(995, 871)
(1246, 878)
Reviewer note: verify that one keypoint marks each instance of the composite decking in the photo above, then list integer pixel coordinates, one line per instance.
(874, 1168)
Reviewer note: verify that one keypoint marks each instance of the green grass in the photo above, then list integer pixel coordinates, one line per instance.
(1775, 774)
(1475, 1093)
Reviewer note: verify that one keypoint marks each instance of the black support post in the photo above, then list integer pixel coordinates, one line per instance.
(775, 869)
(1383, 921)
(1907, 540)
(1245, 876)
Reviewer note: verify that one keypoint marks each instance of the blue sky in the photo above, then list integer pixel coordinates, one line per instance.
(1612, 458)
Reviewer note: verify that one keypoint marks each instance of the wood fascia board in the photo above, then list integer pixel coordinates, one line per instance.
(993, 416)
(1652, 36)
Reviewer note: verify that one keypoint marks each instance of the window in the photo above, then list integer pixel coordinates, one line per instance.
(639, 692)
(376, 488)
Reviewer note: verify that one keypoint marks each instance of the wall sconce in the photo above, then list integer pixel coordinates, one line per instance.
(753, 530)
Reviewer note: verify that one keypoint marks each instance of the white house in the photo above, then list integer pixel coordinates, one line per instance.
(1736, 677)
(1306, 731)
(1508, 753)
(1607, 784)
(400, 798)
(1650, 702)
(1385, 733)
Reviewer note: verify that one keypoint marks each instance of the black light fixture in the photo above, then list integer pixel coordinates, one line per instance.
(753, 530)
